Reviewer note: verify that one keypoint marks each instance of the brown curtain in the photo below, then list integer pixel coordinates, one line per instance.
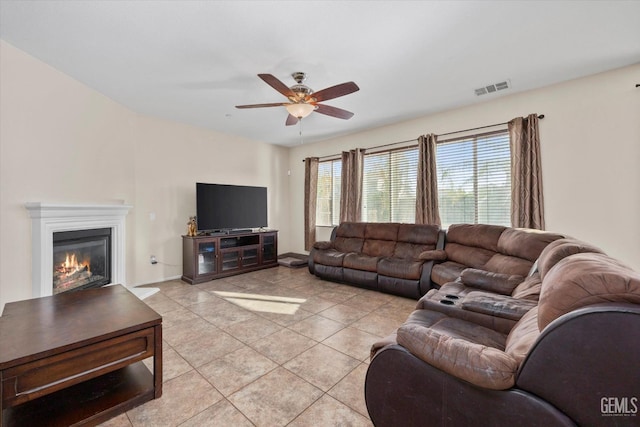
(310, 200)
(527, 203)
(351, 189)
(427, 186)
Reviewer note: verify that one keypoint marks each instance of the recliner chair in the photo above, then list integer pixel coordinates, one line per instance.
(562, 364)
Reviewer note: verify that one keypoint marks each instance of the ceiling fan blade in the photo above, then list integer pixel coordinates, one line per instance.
(275, 104)
(334, 91)
(333, 111)
(277, 85)
(291, 120)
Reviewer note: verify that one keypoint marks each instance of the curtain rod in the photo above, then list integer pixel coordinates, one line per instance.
(540, 116)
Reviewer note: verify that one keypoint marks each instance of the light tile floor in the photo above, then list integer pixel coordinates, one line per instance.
(276, 347)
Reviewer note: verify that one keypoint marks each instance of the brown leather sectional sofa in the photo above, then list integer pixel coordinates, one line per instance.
(557, 345)
(410, 259)
(389, 257)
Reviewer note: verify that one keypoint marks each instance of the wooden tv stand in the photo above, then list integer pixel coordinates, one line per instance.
(76, 358)
(218, 255)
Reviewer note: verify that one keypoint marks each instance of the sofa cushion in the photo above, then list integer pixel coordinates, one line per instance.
(378, 248)
(560, 249)
(497, 305)
(584, 279)
(529, 289)
(506, 264)
(462, 349)
(525, 243)
(381, 231)
(446, 272)
(400, 268)
(329, 257)
(470, 256)
(410, 250)
(458, 328)
(424, 318)
(351, 229)
(423, 234)
(348, 244)
(494, 282)
(360, 262)
(477, 235)
(523, 335)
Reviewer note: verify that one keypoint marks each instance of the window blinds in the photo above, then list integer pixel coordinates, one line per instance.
(474, 183)
(474, 180)
(328, 201)
(389, 186)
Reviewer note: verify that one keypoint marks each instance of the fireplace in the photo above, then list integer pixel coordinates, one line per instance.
(81, 259)
(60, 229)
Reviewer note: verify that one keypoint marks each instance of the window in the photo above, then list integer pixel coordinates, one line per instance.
(474, 180)
(389, 186)
(474, 183)
(328, 202)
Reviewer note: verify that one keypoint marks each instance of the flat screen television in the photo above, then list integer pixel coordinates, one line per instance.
(229, 207)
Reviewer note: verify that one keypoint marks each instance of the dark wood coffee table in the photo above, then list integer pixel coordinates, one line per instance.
(76, 358)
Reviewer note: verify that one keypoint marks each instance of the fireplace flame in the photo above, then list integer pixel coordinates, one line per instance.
(71, 265)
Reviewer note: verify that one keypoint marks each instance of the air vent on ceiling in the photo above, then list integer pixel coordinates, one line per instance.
(493, 88)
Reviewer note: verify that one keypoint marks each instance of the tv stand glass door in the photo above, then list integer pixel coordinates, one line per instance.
(239, 251)
(207, 257)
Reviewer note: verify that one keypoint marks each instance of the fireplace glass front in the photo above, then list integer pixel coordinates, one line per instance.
(81, 259)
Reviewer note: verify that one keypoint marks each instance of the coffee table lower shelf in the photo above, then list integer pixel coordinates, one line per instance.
(88, 403)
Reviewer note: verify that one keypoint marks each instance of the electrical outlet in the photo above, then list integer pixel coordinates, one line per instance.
(154, 260)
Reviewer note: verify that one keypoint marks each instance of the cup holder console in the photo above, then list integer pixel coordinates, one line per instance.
(449, 299)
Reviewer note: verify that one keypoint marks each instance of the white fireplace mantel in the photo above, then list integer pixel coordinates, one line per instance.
(48, 218)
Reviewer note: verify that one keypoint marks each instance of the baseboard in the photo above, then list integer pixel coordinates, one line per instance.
(155, 281)
(143, 293)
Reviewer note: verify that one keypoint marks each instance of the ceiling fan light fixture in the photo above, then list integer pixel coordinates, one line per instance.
(303, 100)
(300, 110)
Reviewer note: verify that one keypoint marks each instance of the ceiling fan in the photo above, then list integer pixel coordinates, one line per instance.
(303, 100)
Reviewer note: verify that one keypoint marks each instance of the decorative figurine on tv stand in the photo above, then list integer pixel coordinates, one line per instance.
(191, 227)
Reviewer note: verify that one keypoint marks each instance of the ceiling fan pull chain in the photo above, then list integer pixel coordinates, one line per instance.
(301, 141)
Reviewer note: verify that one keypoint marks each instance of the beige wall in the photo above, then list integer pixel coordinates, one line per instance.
(170, 159)
(61, 142)
(590, 148)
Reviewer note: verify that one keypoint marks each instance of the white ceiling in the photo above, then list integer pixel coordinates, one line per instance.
(193, 61)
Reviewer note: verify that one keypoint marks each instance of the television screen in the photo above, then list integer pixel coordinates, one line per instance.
(224, 207)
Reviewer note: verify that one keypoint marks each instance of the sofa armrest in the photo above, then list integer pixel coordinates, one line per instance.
(488, 281)
(380, 344)
(311, 265)
(496, 305)
(425, 284)
(435, 254)
(323, 245)
(451, 305)
(583, 356)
